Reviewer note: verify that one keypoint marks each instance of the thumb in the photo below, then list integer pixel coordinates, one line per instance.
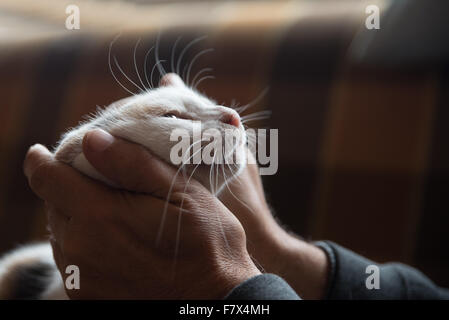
(129, 165)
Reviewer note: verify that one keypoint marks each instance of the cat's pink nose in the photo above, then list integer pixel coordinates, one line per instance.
(230, 118)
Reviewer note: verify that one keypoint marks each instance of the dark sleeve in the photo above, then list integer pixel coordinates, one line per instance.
(348, 278)
(263, 287)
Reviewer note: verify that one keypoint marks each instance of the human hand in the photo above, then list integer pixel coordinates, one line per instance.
(301, 264)
(110, 234)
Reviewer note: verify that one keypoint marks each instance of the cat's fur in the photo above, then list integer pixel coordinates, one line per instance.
(147, 119)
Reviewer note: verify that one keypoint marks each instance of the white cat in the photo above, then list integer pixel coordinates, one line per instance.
(148, 119)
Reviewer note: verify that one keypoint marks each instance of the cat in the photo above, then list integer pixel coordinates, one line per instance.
(147, 118)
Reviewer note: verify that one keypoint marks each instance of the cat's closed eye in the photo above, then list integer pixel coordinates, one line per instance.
(170, 115)
(176, 115)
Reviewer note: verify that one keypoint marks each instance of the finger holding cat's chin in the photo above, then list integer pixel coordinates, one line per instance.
(130, 166)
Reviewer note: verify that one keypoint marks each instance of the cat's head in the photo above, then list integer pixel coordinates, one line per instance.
(181, 126)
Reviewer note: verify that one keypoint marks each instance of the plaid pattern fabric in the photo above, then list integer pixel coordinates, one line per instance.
(363, 157)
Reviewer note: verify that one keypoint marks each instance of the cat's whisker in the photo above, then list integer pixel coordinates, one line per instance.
(184, 70)
(216, 177)
(182, 167)
(255, 118)
(152, 71)
(124, 74)
(239, 200)
(221, 226)
(252, 103)
(164, 213)
(110, 66)
(184, 172)
(173, 52)
(235, 177)
(228, 247)
(135, 64)
(264, 112)
(234, 104)
(231, 153)
(246, 121)
(145, 66)
(210, 176)
(233, 174)
(230, 191)
(201, 72)
(178, 227)
(183, 52)
(195, 85)
(192, 62)
(160, 67)
(252, 143)
(213, 191)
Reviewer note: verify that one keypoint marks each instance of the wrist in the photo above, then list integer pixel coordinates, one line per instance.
(305, 268)
(303, 265)
(233, 275)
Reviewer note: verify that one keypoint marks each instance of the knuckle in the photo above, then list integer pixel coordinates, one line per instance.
(183, 198)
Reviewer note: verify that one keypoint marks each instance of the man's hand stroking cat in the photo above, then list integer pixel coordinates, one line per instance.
(110, 234)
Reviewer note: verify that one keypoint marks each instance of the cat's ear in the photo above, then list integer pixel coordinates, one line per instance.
(171, 79)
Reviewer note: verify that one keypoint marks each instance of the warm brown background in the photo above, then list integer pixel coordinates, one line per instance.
(363, 152)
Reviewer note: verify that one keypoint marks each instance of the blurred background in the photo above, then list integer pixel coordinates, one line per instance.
(362, 114)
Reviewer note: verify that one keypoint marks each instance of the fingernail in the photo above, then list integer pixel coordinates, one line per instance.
(98, 140)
